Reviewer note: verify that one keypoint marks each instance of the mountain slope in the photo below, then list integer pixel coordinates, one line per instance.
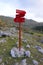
(29, 23)
(9, 20)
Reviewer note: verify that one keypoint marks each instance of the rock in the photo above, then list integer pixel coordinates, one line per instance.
(4, 49)
(2, 40)
(23, 62)
(24, 40)
(27, 53)
(27, 46)
(31, 56)
(3, 63)
(13, 52)
(16, 53)
(41, 41)
(38, 47)
(10, 58)
(5, 33)
(1, 33)
(35, 62)
(41, 60)
(40, 50)
(12, 29)
(12, 38)
(17, 43)
(22, 52)
(16, 63)
(0, 59)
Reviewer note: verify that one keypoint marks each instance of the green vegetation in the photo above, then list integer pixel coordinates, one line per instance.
(32, 37)
(10, 43)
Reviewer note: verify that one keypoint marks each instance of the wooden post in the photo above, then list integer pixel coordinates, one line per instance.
(20, 29)
(20, 19)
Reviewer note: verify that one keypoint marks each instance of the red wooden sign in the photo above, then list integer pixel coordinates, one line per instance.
(20, 16)
(20, 19)
(20, 11)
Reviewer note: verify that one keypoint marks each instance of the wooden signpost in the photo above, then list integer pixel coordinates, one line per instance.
(20, 19)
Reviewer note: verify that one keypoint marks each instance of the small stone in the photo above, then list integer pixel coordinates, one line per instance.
(0, 59)
(4, 49)
(41, 41)
(16, 63)
(24, 40)
(37, 47)
(40, 50)
(35, 62)
(12, 53)
(12, 38)
(31, 56)
(23, 62)
(28, 46)
(27, 53)
(17, 42)
(41, 60)
(9, 57)
(2, 40)
(2, 63)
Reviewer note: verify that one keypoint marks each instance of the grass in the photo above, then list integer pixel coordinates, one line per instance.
(10, 43)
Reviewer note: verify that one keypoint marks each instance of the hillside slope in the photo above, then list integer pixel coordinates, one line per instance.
(29, 23)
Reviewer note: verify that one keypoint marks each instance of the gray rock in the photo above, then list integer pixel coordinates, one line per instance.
(4, 33)
(41, 41)
(16, 63)
(3, 63)
(41, 60)
(16, 53)
(2, 40)
(24, 40)
(35, 62)
(0, 59)
(40, 50)
(10, 58)
(23, 62)
(27, 46)
(13, 53)
(27, 53)
(38, 47)
(4, 49)
(31, 56)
